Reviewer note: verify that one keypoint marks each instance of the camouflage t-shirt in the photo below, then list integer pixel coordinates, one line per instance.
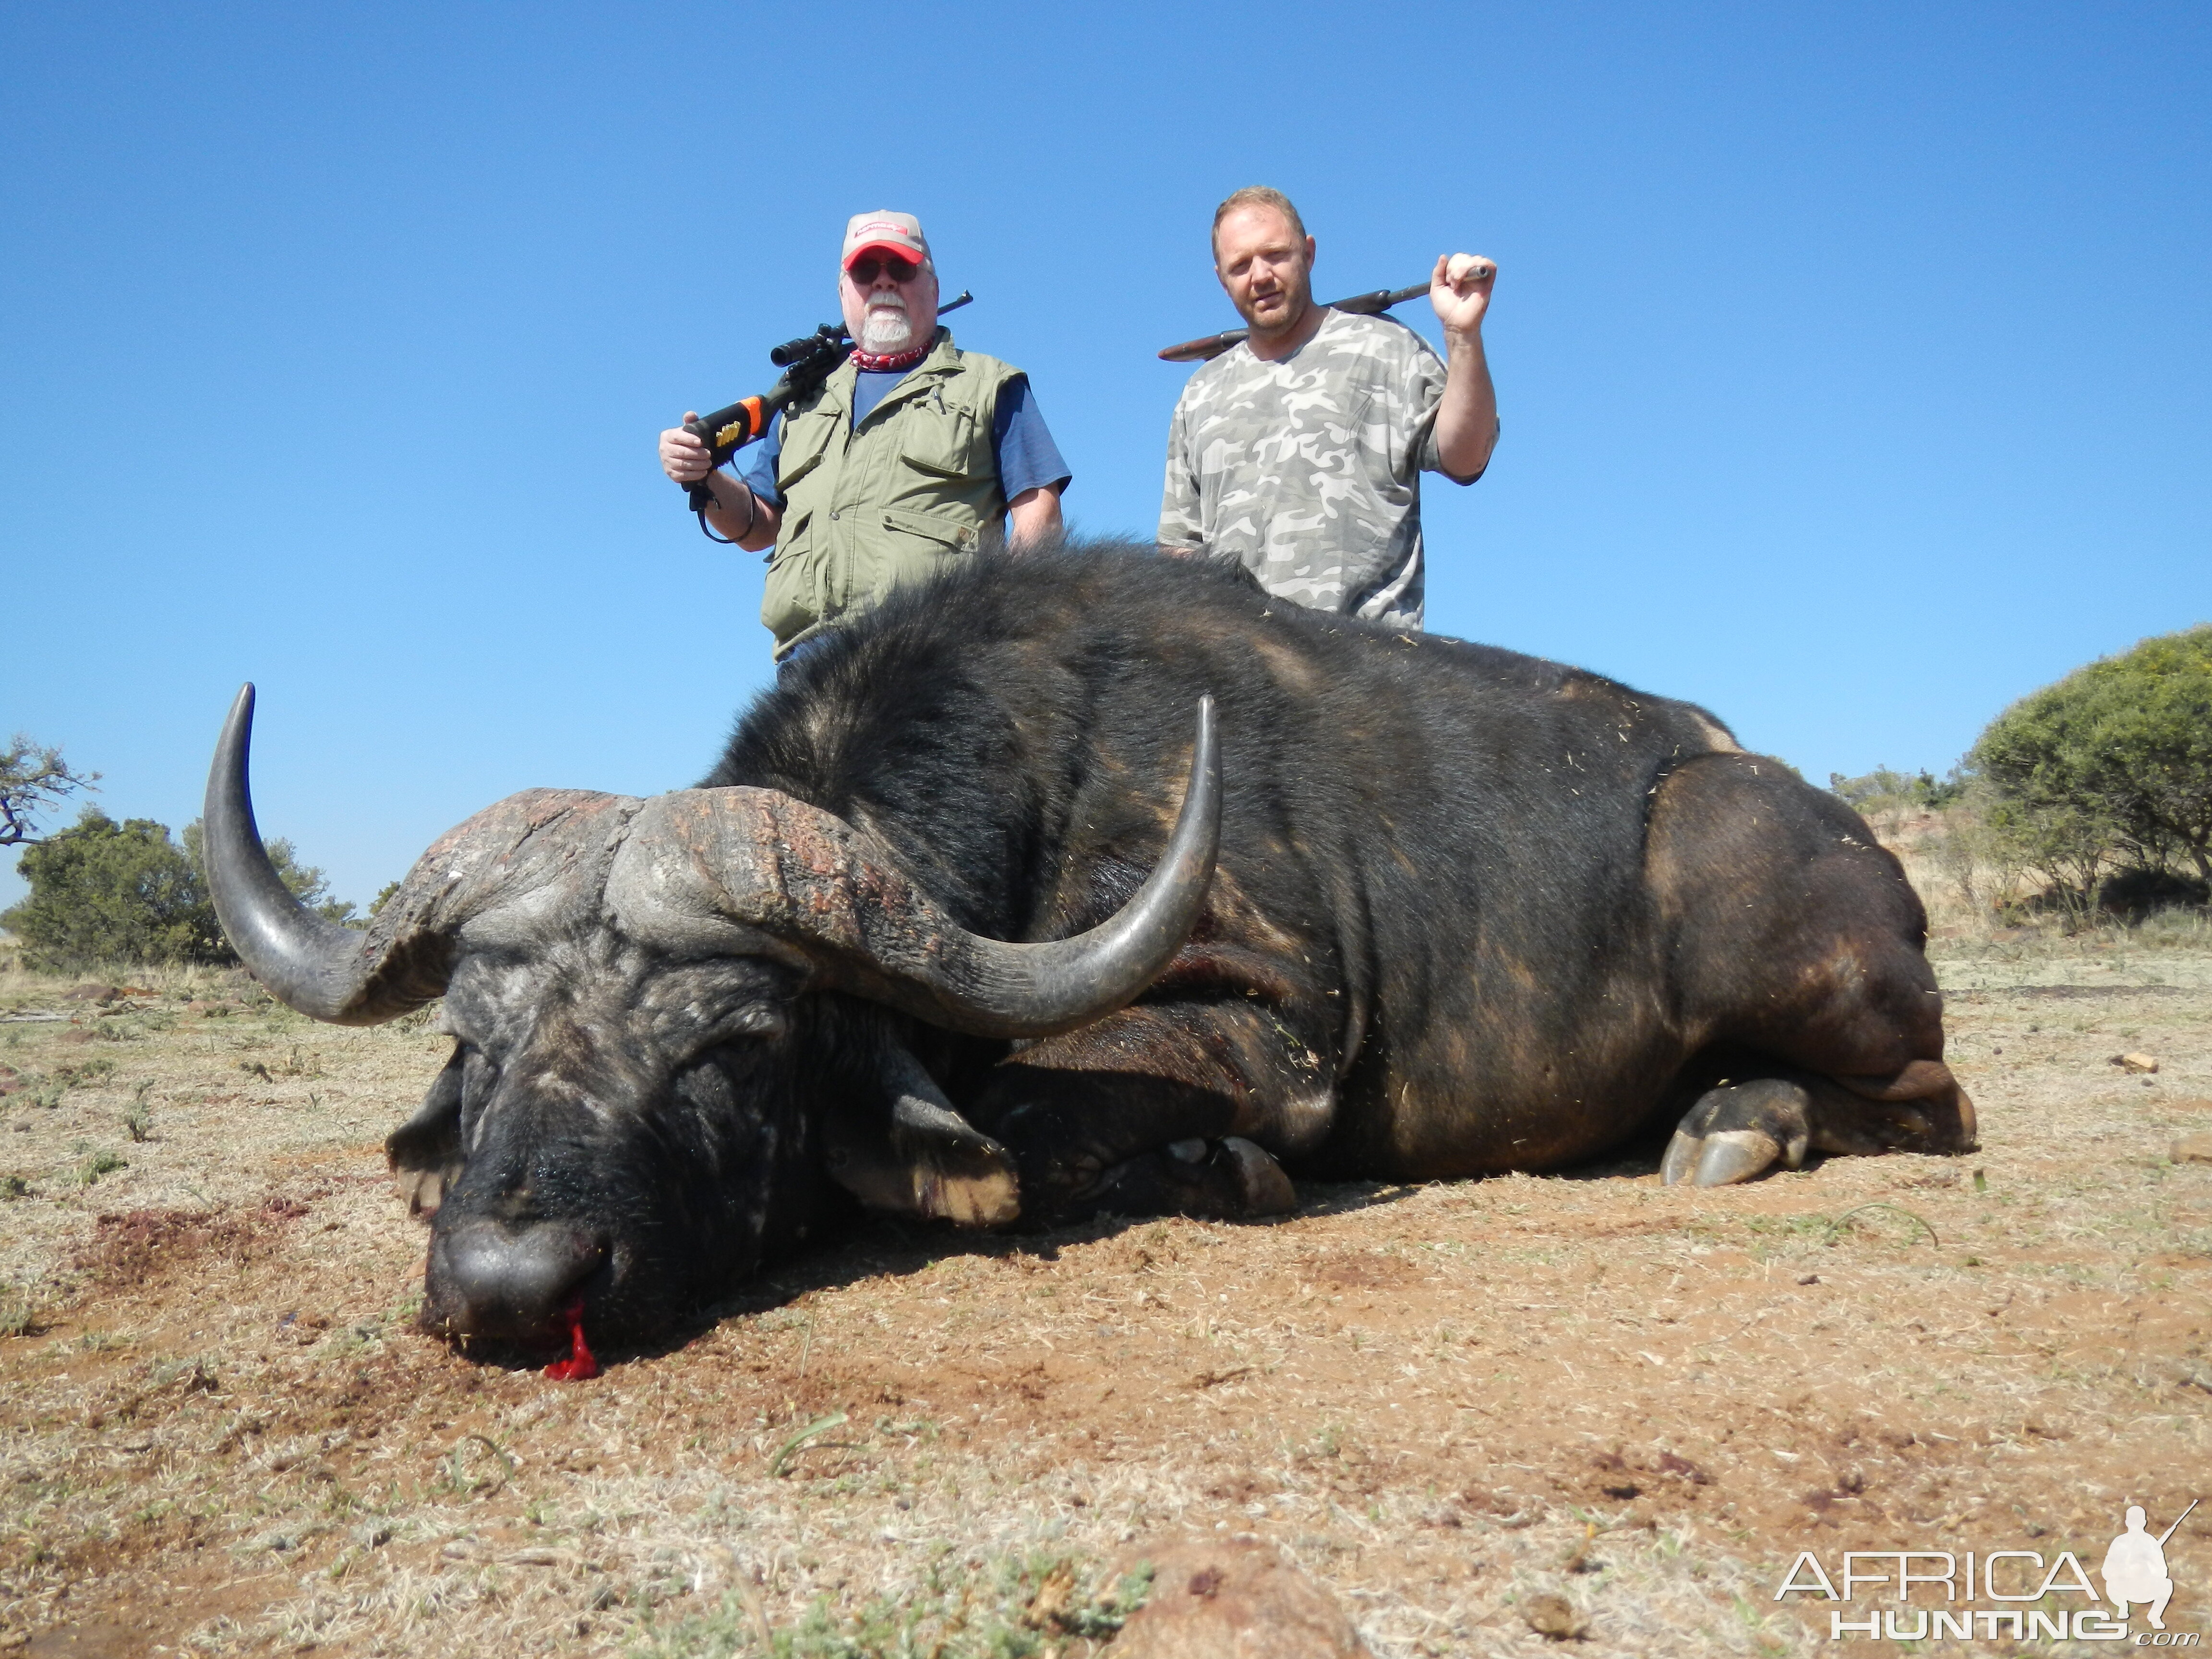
(1307, 472)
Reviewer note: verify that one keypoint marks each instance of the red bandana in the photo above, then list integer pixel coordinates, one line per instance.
(884, 365)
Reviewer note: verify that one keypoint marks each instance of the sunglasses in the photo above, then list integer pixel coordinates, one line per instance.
(866, 269)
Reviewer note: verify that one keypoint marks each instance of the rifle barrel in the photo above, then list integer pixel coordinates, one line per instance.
(728, 430)
(2177, 1519)
(1359, 305)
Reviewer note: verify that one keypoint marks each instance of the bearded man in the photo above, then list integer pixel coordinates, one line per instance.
(912, 454)
(1298, 452)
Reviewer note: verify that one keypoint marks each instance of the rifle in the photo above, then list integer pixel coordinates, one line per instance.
(1359, 305)
(2177, 1519)
(807, 362)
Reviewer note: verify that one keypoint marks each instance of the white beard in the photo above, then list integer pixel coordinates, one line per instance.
(886, 328)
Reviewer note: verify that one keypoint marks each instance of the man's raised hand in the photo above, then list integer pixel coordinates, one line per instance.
(1459, 290)
(683, 456)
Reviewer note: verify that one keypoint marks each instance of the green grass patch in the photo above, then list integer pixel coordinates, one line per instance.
(19, 1314)
(97, 1163)
(1036, 1607)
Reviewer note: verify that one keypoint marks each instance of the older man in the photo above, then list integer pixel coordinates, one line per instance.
(911, 455)
(1298, 454)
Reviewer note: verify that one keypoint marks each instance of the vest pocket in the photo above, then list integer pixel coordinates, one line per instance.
(806, 440)
(791, 596)
(942, 532)
(942, 440)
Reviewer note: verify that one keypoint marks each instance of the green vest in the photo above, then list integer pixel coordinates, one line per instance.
(917, 485)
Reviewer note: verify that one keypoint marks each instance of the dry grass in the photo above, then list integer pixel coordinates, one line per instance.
(219, 1435)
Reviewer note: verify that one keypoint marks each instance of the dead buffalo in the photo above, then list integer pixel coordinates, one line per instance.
(946, 928)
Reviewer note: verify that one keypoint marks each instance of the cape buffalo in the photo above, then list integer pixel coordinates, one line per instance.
(1471, 912)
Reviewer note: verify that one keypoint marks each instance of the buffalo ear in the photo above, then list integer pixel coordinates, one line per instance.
(909, 1152)
(425, 1152)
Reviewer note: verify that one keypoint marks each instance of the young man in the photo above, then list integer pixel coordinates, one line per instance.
(1298, 454)
(912, 452)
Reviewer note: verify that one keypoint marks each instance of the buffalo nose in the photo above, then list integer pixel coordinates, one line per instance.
(490, 1278)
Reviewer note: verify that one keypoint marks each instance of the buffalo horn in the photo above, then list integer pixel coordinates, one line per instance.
(528, 863)
(305, 961)
(759, 858)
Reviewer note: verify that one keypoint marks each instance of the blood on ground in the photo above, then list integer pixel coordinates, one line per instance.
(579, 1366)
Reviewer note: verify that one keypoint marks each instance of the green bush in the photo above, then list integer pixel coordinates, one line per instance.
(104, 891)
(108, 892)
(2113, 765)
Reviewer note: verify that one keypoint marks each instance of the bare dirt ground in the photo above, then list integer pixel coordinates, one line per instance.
(220, 1435)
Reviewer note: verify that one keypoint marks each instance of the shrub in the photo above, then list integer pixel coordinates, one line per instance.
(104, 891)
(2112, 765)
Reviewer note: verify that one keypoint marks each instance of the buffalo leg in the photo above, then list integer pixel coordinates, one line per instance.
(425, 1152)
(1161, 1109)
(1797, 939)
(1740, 1128)
(911, 1153)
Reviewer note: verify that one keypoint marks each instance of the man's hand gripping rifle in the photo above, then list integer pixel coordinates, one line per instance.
(807, 362)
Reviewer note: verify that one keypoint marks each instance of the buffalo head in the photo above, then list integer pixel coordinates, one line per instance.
(673, 1018)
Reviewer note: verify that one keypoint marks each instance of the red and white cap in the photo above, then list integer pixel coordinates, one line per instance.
(885, 232)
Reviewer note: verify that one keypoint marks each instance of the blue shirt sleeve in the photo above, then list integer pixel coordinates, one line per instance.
(1028, 458)
(759, 472)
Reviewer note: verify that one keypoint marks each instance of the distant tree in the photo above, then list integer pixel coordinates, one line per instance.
(1884, 791)
(32, 778)
(104, 891)
(2113, 763)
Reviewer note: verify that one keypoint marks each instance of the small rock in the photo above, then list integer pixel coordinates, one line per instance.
(1551, 1618)
(2192, 1149)
(1234, 1597)
(2135, 1062)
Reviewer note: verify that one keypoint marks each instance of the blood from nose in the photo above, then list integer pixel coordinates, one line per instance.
(579, 1366)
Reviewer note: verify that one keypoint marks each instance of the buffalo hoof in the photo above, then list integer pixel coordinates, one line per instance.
(987, 1194)
(1738, 1131)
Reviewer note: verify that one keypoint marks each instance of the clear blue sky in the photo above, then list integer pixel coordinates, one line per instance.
(1853, 359)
